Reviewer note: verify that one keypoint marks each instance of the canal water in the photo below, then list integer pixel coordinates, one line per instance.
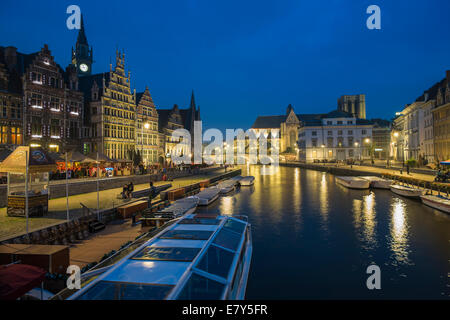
(314, 239)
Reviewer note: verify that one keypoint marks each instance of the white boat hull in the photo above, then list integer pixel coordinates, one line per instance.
(226, 190)
(378, 183)
(206, 201)
(247, 181)
(381, 184)
(436, 203)
(353, 182)
(406, 192)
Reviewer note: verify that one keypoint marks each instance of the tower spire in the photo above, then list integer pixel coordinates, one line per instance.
(192, 100)
(81, 34)
(82, 56)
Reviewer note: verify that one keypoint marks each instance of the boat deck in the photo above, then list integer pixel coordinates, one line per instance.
(198, 257)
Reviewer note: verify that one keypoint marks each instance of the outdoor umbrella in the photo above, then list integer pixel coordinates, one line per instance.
(18, 279)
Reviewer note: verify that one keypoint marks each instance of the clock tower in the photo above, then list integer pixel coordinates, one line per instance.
(82, 57)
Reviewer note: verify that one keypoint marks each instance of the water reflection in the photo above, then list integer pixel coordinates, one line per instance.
(226, 205)
(324, 198)
(399, 232)
(305, 226)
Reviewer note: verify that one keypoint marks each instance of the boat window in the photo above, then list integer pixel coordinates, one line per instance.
(237, 274)
(216, 261)
(199, 221)
(234, 225)
(187, 234)
(106, 290)
(227, 239)
(201, 288)
(171, 254)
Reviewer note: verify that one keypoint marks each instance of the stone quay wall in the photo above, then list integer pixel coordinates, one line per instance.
(79, 186)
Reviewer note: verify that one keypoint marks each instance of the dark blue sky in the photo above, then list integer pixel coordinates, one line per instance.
(249, 58)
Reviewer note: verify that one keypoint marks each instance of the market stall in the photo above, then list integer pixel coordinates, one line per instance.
(28, 174)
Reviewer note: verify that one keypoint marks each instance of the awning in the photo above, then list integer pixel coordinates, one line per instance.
(446, 162)
(18, 279)
(100, 156)
(38, 161)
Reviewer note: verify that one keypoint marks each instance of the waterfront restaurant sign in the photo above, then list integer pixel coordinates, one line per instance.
(240, 147)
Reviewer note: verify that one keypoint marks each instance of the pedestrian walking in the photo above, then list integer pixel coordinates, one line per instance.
(407, 168)
(152, 194)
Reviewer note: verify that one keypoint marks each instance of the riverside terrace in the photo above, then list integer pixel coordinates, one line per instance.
(12, 226)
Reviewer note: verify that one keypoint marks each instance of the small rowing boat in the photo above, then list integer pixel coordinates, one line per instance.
(406, 191)
(208, 196)
(353, 182)
(236, 180)
(437, 202)
(226, 186)
(377, 182)
(247, 181)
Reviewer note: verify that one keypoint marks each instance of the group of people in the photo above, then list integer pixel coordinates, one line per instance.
(127, 190)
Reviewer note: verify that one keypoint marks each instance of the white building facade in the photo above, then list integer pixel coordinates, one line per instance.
(334, 136)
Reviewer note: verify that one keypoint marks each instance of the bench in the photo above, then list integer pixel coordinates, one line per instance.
(126, 211)
(175, 194)
(96, 226)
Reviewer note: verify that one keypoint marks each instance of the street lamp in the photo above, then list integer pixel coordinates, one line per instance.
(323, 151)
(146, 125)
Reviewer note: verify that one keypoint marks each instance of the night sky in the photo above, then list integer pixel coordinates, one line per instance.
(249, 58)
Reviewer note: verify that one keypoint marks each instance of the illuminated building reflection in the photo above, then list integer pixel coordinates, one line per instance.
(399, 231)
(364, 217)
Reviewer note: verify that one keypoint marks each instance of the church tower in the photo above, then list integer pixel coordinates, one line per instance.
(82, 57)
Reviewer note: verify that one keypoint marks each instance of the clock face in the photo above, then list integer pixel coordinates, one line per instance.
(84, 67)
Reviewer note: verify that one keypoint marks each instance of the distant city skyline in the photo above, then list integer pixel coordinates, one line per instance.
(253, 61)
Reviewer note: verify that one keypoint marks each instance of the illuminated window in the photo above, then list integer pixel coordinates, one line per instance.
(4, 134)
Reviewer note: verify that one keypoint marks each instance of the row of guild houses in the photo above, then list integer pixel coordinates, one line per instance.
(69, 109)
(341, 134)
(421, 131)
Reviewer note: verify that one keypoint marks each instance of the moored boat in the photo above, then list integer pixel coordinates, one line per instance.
(247, 181)
(406, 191)
(181, 207)
(377, 182)
(437, 202)
(198, 257)
(236, 180)
(208, 196)
(226, 186)
(353, 182)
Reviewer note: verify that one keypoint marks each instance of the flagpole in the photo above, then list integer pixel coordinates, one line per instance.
(26, 190)
(67, 191)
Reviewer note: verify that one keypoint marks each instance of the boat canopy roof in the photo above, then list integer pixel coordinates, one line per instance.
(194, 258)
